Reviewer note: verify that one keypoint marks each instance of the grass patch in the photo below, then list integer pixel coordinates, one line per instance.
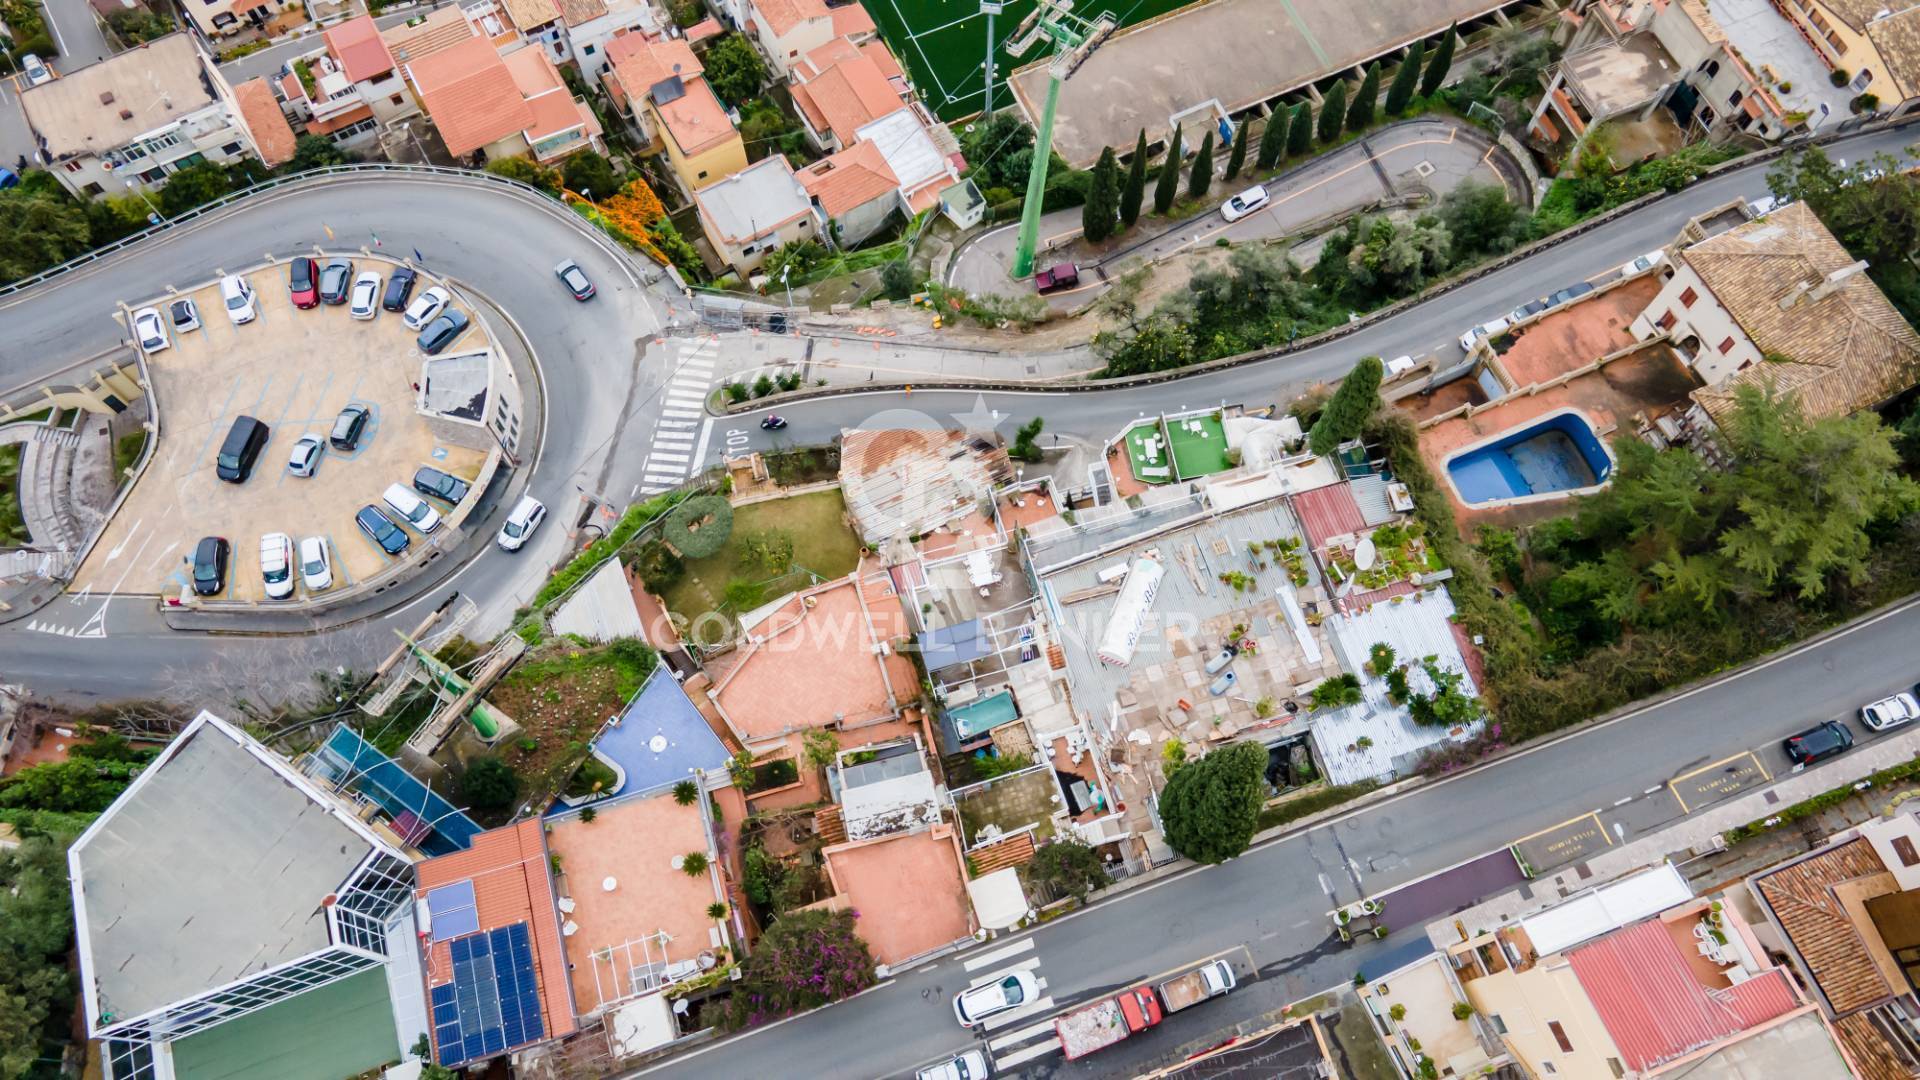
(126, 451)
(822, 543)
(1311, 802)
(13, 524)
(560, 695)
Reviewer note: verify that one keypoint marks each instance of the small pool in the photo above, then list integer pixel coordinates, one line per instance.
(979, 717)
(1556, 454)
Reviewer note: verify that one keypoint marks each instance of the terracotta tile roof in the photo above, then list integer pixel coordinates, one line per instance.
(334, 123)
(852, 20)
(441, 30)
(1867, 1048)
(781, 16)
(904, 481)
(470, 96)
(533, 74)
(697, 120)
(1848, 350)
(1328, 512)
(825, 56)
(849, 95)
(1655, 1009)
(883, 58)
(1897, 39)
(531, 14)
(290, 87)
(357, 44)
(575, 12)
(641, 64)
(509, 870)
(557, 111)
(1855, 13)
(1801, 896)
(908, 890)
(810, 663)
(260, 113)
(849, 179)
(1000, 854)
(708, 27)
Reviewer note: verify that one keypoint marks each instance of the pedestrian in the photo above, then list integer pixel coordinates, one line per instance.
(416, 388)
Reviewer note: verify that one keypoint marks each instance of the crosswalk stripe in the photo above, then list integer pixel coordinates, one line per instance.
(1008, 1061)
(685, 401)
(987, 959)
(678, 424)
(1037, 1006)
(658, 456)
(690, 380)
(686, 414)
(682, 445)
(1015, 1038)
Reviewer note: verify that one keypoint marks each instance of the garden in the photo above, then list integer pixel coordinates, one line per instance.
(560, 694)
(766, 550)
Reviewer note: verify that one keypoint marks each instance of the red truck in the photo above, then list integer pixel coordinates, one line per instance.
(1109, 1020)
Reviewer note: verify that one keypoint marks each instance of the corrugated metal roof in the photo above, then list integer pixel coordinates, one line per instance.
(1370, 494)
(1328, 512)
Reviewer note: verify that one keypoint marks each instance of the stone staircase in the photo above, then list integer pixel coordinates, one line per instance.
(46, 490)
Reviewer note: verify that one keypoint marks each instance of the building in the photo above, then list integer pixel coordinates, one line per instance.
(840, 87)
(135, 117)
(923, 156)
(487, 108)
(224, 18)
(1778, 301)
(1874, 42)
(748, 215)
(854, 191)
(787, 30)
(195, 958)
(437, 31)
(350, 88)
(562, 124)
(905, 482)
(659, 86)
(265, 123)
(592, 25)
(471, 399)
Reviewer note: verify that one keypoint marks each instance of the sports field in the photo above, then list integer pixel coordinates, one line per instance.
(943, 44)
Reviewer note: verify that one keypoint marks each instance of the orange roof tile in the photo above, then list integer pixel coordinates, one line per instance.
(708, 27)
(441, 30)
(642, 63)
(807, 666)
(576, 12)
(290, 86)
(1804, 901)
(261, 115)
(356, 43)
(781, 16)
(908, 890)
(470, 95)
(531, 14)
(849, 95)
(533, 74)
(852, 20)
(883, 58)
(824, 57)
(697, 120)
(558, 111)
(334, 123)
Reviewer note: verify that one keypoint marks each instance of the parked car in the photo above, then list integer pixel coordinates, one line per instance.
(442, 331)
(1890, 712)
(1571, 292)
(399, 288)
(35, 70)
(240, 449)
(428, 480)
(276, 565)
(575, 279)
(527, 515)
(1103, 1023)
(382, 530)
(365, 301)
(1056, 277)
(1484, 330)
(303, 283)
(316, 564)
(237, 294)
(1247, 202)
(335, 278)
(1527, 310)
(1818, 743)
(185, 314)
(976, 1004)
(426, 308)
(1400, 365)
(1644, 263)
(210, 566)
(150, 330)
(1764, 205)
(348, 426)
(411, 507)
(8, 179)
(971, 1065)
(305, 458)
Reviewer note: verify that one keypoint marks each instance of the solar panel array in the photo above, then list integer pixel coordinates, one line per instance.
(493, 1003)
(454, 912)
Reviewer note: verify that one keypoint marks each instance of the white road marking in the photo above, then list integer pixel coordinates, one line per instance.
(683, 414)
(987, 959)
(1014, 1038)
(660, 456)
(1038, 1050)
(1033, 1008)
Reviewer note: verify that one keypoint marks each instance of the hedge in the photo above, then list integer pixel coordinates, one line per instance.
(1325, 799)
(679, 532)
(598, 552)
(1806, 808)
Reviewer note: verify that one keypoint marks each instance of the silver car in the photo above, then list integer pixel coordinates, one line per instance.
(527, 515)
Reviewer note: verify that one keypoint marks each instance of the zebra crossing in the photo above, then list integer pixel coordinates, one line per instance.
(1015, 1036)
(683, 400)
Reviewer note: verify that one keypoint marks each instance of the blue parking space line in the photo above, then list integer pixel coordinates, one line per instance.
(340, 562)
(218, 418)
(291, 394)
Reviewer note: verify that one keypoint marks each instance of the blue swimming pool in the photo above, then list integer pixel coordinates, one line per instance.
(979, 717)
(1559, 453)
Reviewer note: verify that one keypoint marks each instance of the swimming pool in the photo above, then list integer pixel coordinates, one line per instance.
(979, 717)
(1556, 454)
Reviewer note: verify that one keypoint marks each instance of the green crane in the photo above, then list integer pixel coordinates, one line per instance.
(1073, 39)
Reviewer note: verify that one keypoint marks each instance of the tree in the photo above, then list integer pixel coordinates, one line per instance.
(769, 549)
(1441, 63)
(999, 151)
(36, 931)
(1169, 183)
(1351, 406)
(1273, 140)
(1023, 447)
(699, 526)
(733, 70)
(1201, 178)
(821, 747)
(1333, 112)
(897, 279)
(806, 959)
(1481, 218)
(527, 172)
(1065, 868)
(73, 786)
(1237, 155)
(1365, 100)
(490, 784)
(314, 152)
(195, 185)
(1210, 807)
(1300, 130)
(1400, 91)
(1158, 344)
(1101, 211)
(586, 171)
(37, 232)
(1136, 187)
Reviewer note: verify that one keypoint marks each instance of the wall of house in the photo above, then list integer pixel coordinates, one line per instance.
(746, 257)
(590, 38)
(784, 52)
(1705, 320)
(389, 97)
(209, 132)
(707, 167)
(863, 221)
(1519, 1006)
(1836, 43)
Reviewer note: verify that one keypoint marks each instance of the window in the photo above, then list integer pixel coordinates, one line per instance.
(1711, 67)
(1548, 1067)
(1726, 347)
(702, 175)
(1619, 1070)
(1499, 1025)
(72, 166)
(154, 176)
(1666, 321)
(1560, 1036)
(232, 148)
(1903, 847)
(93, 191)
(1688, 296)
(588, 50)
(396, 99)
(1733, 99)
(1863, 80)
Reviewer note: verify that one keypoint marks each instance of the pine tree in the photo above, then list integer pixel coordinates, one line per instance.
(1273, 140)
(1136, 188)
(1237, 157)
(1400, 93)
(1098, 213)
(1442, 60)
(1360, 114)
(1168, 185)
(1300, 131)
(1201, 178)
(1333, 113)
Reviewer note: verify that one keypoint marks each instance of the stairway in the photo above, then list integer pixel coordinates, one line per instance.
(46, 489)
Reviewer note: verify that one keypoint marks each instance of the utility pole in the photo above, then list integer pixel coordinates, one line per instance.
(989, 8)
(1073, 39)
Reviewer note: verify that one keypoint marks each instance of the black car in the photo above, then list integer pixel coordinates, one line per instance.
(440, 332)
(347, 427)
(432, 482)
(399, 289)
(210, 566)
(336, 280)
(381, 529)
(575, 279)
(1818, 743)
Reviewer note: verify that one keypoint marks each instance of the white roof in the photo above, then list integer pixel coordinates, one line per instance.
(756, 200)
(908, 148)
(602, 609)
(998, 900)
(1418, 626)
(1606, 908)
(642, 1025)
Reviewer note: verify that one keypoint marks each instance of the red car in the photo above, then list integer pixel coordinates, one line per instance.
(303, 282)
(1055, 278)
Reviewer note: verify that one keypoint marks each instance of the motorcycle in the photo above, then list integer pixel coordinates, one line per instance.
(772, 423)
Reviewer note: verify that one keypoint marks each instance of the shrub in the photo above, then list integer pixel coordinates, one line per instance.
(1210, 807)
(490, 784)
(698, 527)
(693, 863)
(1312, 803)
(806, 959)
(716, 911)
(1065, 868)
(1398, 1012)
(1380, 658)
(1462, 1011)
(685, 792)
(1338, 692)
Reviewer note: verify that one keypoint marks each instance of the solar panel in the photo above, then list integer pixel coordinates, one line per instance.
(453, 910)
(493, 1003)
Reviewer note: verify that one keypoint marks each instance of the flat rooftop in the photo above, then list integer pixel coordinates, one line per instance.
(909, 891)
(661, 738)
(1622, 75)
(456, 386)
(809, 663)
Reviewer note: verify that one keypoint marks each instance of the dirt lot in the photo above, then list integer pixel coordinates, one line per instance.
(294, 370)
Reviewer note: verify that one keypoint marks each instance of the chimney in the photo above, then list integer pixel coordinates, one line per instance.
(1834, 280)
(1794, 295)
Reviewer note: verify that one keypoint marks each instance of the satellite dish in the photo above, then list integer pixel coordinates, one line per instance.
(1365, 555)
(657, 744)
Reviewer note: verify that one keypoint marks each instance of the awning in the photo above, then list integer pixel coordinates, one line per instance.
(956, 644)
(998, 900)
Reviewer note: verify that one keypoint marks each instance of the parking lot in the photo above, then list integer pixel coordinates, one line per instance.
(294, 371)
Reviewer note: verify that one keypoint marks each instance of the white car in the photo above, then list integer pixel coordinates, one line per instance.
(276, 565)
(364, 302)
(237, 295)
(1484, 330)
(412, 507)
(1247, 202)
(1399, 365)
(425, 307)
(976, 1003)
(1644, 263)
(150, 330)
(1764, 205)
(1890, 713)
(36, 70)
(316, 566)
(186, 315)
(527, 515)
(971, 1065)
(306, 454)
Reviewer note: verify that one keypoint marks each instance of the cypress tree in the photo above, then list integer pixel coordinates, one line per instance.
(1169, 183)
(1442, 60)
(1136, 187)
(1349, 409)
(1201, 178)
(1098, 213)
(1360, 114)
(1237, 157)
(1300, 131)
(1333, 113)
(1273, 139)
(1400, 93)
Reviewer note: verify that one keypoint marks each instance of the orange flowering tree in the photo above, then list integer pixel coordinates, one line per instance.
(636, 217)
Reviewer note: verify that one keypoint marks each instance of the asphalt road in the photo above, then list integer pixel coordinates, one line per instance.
(77, 31)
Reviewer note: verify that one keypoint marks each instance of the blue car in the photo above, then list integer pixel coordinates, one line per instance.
(442, 331)
(382, 530)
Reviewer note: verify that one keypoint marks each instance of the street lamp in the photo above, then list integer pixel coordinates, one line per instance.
(784, 271)
(157, 217)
